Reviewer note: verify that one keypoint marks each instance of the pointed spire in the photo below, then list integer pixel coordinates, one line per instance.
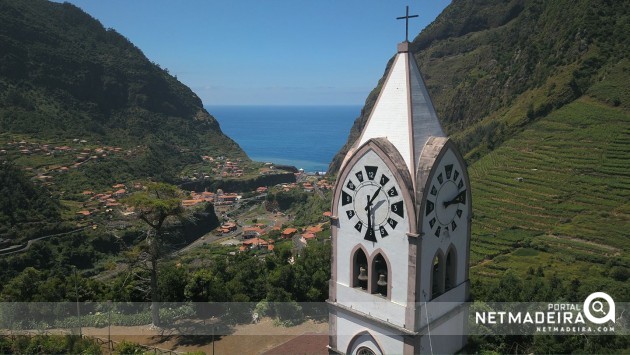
(403, 112)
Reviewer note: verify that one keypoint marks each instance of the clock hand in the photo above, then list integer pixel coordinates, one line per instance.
(460, 198)
(377, 205)
(369, 233)
(370, 200)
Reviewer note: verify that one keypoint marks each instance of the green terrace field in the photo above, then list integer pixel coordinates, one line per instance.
(557, 196)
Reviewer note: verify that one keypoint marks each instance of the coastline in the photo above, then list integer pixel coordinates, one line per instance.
(304, 136)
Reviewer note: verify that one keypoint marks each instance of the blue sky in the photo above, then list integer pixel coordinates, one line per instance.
(268, 52)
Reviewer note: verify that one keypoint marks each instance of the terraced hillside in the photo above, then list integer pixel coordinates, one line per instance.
(557, 196)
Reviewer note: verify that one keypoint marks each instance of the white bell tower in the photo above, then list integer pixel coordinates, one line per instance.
(400, 229)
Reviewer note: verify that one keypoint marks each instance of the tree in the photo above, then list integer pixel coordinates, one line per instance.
(156, 205)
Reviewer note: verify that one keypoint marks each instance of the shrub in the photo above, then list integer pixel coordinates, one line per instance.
(130, 348)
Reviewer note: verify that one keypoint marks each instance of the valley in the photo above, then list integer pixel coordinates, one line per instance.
(533, 94)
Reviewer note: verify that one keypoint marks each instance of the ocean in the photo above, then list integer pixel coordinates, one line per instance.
(306, 137)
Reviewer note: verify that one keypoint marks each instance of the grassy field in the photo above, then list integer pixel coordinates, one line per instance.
(557, 196)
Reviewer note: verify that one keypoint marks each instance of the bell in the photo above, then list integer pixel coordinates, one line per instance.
(382, 280)
(362, 274)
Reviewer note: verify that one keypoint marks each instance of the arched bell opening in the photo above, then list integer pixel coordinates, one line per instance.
(437, 275)
(380, 276)
(450, 280)
(360, 270)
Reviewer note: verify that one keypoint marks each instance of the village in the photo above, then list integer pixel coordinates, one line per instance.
(252, 229)
(62, 157)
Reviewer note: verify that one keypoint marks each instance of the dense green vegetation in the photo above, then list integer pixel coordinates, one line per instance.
(25, 208)
(305, 207)
(44, 344)
(62, 75)
(208, 276)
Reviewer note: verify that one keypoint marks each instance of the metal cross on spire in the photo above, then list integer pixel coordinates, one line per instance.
(406, 17)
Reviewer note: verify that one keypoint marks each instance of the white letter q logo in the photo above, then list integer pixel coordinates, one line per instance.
(598, 307)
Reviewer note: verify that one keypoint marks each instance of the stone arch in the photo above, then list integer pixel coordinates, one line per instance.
(450, 271)
(364, 340)
(358, 259)
(435, 149)
(437, 274)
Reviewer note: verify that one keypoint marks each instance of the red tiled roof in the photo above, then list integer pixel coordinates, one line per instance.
(289, 231)
(255, 241)
(314, 229)
(308, 235)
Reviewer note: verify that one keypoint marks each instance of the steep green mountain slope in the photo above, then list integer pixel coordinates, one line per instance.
(25, 207)
(492, 67)
(62, 75)
(556, 199)
(536, 95)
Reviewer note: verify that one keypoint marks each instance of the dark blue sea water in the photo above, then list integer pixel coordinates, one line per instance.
(306, 137)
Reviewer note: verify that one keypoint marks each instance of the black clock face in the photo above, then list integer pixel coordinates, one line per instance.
(371, 201)
(446, 204)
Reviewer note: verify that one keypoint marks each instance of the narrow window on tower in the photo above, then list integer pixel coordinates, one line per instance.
(437, 275)
(451, 270)
(380, 276)
(359, 270)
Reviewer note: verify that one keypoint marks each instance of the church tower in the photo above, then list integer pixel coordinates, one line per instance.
(400, 229)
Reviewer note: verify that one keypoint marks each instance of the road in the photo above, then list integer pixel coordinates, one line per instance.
(21, 248)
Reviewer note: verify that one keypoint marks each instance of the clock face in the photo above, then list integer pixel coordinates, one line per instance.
(446, 209)
(371, 200)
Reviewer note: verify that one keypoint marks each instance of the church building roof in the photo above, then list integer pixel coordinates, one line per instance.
(403, 113)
